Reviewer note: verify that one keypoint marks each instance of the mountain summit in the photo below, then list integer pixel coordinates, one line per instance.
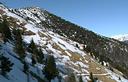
(38, 46)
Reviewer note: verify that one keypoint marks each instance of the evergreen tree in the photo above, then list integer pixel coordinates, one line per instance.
(6, 65)
(119, 78)
(4, 27)
(91, 77)
(25, 67)
(1, 29)
(19, 43)
(50, 69)
(32, 47)
(77, 45)
(40, 56)
(80, 79)
(33, 60)
(37, 53)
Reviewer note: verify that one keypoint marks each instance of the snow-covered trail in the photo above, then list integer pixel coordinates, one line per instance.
(103, 74)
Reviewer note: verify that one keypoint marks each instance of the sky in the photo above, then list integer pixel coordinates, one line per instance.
(105, 17)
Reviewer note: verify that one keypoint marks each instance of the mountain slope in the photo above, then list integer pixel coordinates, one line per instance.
(42, 27)
(106, 49)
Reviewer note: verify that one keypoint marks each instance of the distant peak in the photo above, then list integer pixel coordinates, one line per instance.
(121, 37)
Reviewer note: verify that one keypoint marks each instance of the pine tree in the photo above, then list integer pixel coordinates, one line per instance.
(36, 53)
(40, 56)
(119, 78)
(77, 45)
(32, 47)
(33, 60)
(6, 65)
(91, 77)
(5, 30)
(1, 29)
(19, 43)
(80, 79)
(25, 67)
(50, 69)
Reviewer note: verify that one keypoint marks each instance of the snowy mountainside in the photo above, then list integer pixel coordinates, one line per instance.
(68, 57)
(123, 38)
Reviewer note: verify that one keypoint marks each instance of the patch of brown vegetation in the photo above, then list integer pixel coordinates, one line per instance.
(75, 56)
(28, 33)
(41, 34)
(55, 46)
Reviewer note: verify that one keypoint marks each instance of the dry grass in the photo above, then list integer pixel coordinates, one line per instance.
(96, 68)
(41, 34)
(55, 46)
(74, 56)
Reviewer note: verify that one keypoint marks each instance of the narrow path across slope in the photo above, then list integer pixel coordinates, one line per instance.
(104, 74)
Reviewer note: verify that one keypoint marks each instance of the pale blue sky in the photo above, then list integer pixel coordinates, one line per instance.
(105, 17)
